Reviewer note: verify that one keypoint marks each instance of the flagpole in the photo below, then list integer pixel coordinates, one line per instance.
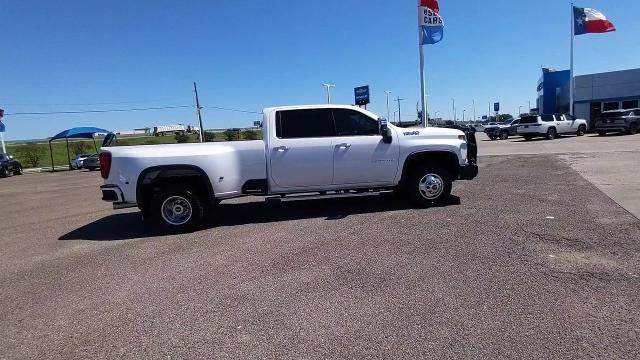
(572, 82)
(425, 118)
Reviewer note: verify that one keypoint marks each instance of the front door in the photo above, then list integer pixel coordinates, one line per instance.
(359, 154)
(301, 152)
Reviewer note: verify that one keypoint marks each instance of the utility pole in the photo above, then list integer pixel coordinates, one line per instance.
(464, 114)
(399, 113)
(328, 86)
(519, 110)
(387, 93)
(195, 88)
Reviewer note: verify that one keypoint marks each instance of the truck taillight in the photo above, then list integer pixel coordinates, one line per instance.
(105, 164)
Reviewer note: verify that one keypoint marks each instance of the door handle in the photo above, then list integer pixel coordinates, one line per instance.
(281, 148)
(343, 146)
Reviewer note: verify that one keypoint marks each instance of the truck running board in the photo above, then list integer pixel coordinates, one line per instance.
(326, 195)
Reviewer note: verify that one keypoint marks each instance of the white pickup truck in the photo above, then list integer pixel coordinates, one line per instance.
(321, 149)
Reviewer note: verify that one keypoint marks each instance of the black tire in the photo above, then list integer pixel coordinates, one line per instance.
(492, 137)
(633, 129)
(18, 170)
(3, 172)
(420, 177)
(551, 134)
(504, 135)
(177, 209)
(602, 133)
(581, 130)
(527, 137)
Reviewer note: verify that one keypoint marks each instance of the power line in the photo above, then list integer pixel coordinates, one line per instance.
(234, 110)
(70, 112)
(99, 111)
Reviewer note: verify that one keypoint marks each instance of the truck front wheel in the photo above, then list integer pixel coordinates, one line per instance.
(177, 209)
(429, 185)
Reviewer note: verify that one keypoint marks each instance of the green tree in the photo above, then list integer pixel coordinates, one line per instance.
(31, 154)
(209, 136)
(231, 135)
(250, 135)
(181, 138)
(78, 147)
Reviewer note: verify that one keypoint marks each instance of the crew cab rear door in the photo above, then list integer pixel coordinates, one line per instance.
(359, 154)
(300, 149)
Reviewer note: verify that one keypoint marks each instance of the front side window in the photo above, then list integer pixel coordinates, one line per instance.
(609, 106)
(570, 117)
(631, 104)
(547, 118)
(304, 123)
(354, 123)
(2, 157)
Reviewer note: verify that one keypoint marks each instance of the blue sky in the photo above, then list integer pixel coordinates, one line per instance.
(254, 54)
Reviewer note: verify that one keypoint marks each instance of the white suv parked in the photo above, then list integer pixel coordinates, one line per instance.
(550, 126)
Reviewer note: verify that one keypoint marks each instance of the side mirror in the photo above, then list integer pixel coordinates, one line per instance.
(387, 134)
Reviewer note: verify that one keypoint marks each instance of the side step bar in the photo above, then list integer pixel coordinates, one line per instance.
(326, 195)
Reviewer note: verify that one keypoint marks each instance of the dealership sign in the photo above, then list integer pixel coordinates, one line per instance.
(362, 95)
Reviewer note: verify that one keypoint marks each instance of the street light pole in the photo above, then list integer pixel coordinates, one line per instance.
(387, 93)
(474, 111)
(464, 112)
(328, 86)
(399, 113)
(519, 110)
(453, 101)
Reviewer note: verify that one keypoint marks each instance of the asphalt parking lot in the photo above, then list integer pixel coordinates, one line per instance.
(529, 260)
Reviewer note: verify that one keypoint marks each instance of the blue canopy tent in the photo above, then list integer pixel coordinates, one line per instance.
(76, 133)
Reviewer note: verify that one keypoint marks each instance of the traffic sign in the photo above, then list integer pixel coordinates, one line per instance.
(362, 95)
(496, 107)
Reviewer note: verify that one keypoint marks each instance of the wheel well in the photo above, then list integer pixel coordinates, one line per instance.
(446, 159)
(154, 178)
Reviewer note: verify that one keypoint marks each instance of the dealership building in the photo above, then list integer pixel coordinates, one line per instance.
(594, 93)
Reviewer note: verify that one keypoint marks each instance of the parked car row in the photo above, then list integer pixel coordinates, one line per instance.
(552, 125)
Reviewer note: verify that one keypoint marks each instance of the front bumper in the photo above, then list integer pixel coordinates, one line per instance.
(611, 127)
(467, 172)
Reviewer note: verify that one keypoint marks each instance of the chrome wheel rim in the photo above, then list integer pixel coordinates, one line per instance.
(431, 186)
(176, 210)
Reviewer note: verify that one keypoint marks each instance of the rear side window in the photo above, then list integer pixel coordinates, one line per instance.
(547, 118)
(609, 106)
(528, 120)
(306, 123)
(354, 123)
(630, 104)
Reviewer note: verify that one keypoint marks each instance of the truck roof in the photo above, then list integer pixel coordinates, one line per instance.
(319, 106)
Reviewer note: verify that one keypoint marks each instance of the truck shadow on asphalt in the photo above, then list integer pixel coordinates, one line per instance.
(127, 226)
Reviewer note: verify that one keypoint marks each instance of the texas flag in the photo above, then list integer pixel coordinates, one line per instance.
(431, 22)
(587, 20)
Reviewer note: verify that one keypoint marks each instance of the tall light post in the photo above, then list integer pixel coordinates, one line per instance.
(453, 102)
(399, 113)
(387, 93)
(519, 110)
(464, 112)
(328, 86)
(474, 110)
